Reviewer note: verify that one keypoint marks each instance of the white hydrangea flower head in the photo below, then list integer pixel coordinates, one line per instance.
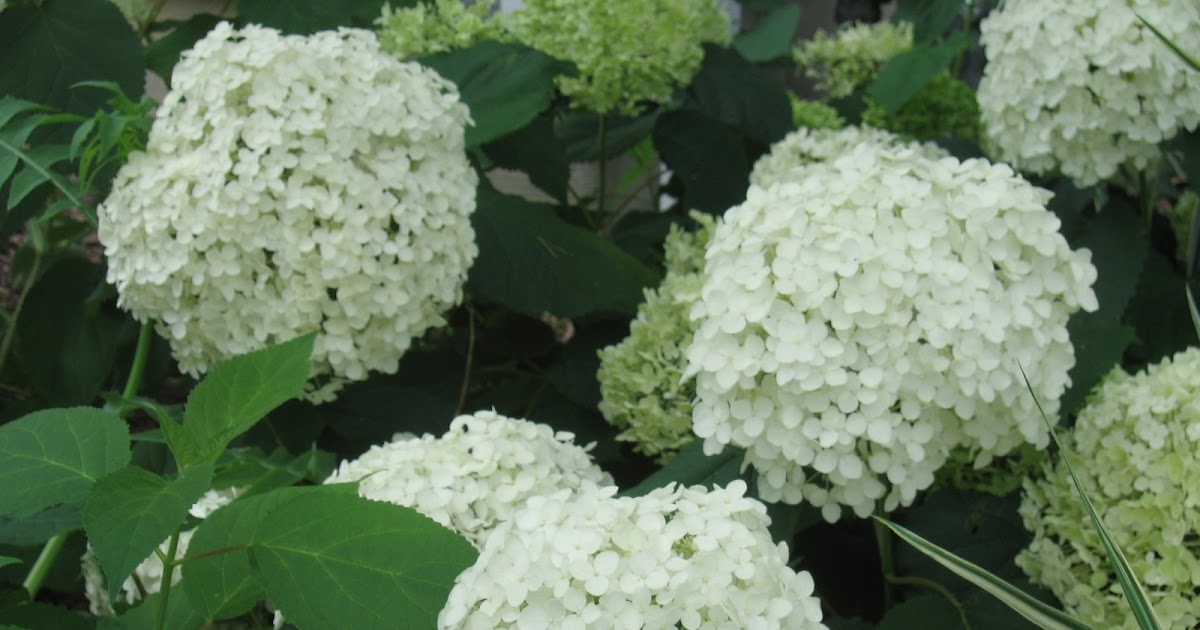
(1084, 88)
(641, 386)
(851, 57)
(868, 313)
(807, 145)
(150, 571)
(477, 474)
(675, 558)
(1136, 447)
(293, 184)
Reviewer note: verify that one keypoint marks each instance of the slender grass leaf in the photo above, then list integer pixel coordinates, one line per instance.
(1041, 614)
(54, 456)
(235, 395)
(534, 262)
(132, 511)
(63, 42)
(692, 467)
(1135, 595)
(1192, 309)
(332, 559)
(772, 38)
(505, 85)
(1183, 54)
(905, 74)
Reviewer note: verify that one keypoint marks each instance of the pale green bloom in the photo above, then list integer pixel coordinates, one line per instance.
(640, 377)
(424, 29)
(850, 59)
(1136, 448)
(814, 114)
(628, 52)
(944, 107)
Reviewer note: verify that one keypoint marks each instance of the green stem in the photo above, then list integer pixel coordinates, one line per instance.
(34, 269)
(43, 564)
(883, 538)
(602, 190)
(145, 335)
(160, 621)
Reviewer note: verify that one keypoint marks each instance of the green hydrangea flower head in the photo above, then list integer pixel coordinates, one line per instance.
(437, 26)
(814, 114)
(851, 58)
(640, 377)
(944, 107)
(1137, 453)
(628, 52)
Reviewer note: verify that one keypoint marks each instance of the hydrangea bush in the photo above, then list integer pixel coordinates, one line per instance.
(1136, 447)
(675, 558)
(290, 184)
(851, 335)
(476, 475)
(641, 378)
(1084, 88)
(425, 29)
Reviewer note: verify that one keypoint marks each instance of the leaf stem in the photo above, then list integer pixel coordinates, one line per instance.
(466, 380)
(160, 621)
(883, 539)
(934, 586)
(152, 15)
(43, 564)
(139, 360)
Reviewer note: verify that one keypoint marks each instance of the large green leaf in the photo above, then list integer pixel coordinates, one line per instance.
(736, 92)
(772, 37)
(68, 346)
(536, 151)
(180, 615)
(1099, 347)
(37, 528)
(304, 17)
(54, 456)
(37, 615)
(329, 559)
(222, 585)
(235, 395)
(51, 45)
(579, 132)
(1041, 614)
(505, 85)
(132, 511)
(707, 155)
(924, 611)
(692, 467)
(533, 262)
(930, 18)
(1119, 255)
(905, 74)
